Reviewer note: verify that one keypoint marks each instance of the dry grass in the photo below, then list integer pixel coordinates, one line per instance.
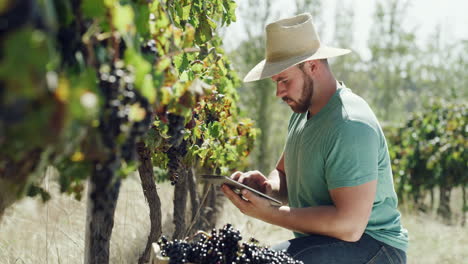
(32, 232)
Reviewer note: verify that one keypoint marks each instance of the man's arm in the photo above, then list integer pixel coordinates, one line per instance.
(345, 220)
(277, 180)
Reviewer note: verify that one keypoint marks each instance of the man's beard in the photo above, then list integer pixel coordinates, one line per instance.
(303, 104)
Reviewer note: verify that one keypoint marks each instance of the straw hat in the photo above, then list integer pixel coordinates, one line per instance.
(291, 41)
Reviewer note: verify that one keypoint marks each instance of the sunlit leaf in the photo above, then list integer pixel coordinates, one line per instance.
(123, 17)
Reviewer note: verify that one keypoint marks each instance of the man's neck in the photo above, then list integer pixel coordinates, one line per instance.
(324, 92)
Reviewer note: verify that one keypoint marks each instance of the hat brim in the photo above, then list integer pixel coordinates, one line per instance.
(266, 69)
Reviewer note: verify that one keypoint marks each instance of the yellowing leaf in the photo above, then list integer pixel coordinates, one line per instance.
(137, 113)
(166, 95)
(77, 156)
(163, 64)
(123, 18)
(63, 89)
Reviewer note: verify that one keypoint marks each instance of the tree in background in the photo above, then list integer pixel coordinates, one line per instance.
(350, 68)
(394, 53)
(442, 68)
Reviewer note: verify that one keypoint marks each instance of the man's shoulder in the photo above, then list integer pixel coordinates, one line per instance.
(355, 110)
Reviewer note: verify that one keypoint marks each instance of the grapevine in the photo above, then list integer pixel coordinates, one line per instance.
(84, 82)
(429, 152)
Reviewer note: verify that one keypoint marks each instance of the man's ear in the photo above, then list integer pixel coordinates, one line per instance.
(310, 67)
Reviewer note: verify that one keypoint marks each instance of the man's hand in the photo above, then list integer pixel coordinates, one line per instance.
(253, 205)
(254, 179)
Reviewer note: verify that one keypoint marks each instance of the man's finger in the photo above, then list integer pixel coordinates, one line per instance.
(241, 178)
(234, 197)
(236, 175)
(253, 198)
(246, 178)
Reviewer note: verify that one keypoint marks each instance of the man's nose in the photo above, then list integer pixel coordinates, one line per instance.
(280, 91)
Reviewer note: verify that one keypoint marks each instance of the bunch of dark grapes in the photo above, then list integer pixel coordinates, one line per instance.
(114, 115)
(221, 247)
(119, 95)
(252, 253)
(149, 50)
(149, 47)
(175, 154)
(210, 116)
(139, 128)
(178, 146)
(176, 128)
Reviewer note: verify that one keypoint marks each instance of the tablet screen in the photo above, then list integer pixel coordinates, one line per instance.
(219, 180)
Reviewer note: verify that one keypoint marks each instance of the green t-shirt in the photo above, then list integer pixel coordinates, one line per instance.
(343, 145)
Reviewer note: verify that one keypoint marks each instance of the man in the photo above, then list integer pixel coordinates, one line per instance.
(335, 171)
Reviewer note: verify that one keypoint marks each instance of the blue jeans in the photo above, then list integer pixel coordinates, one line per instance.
(325, 250)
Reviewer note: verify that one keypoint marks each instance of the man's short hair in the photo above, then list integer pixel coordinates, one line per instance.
(301, 65)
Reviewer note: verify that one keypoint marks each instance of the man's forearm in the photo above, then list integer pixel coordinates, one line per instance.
(279, 188)
(323, 220)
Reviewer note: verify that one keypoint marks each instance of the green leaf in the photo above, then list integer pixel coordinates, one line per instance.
(25, 56)
(181, 62)
(186, 12)
(214, 129)
(222, 68)
(141, 20)
(184, 76)
(35, 190)
(84, 99)
(197, 67)
(202, 153)
(211, 23)
(203, 32)
(142, 67)
(123, 18)
(230, 15)
(127, 168)
(93, 8)
(147, 89)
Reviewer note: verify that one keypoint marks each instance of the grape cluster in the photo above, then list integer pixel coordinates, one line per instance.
(174, 154)
(119, 95)
(149, 47)
(114, 115)
(178, 146)
(220, 247)
(176, 128)
(254, 254)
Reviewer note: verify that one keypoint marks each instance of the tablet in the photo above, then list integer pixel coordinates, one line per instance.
(236, 186)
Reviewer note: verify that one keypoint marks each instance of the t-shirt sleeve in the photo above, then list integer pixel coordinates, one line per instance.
(352, 157)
